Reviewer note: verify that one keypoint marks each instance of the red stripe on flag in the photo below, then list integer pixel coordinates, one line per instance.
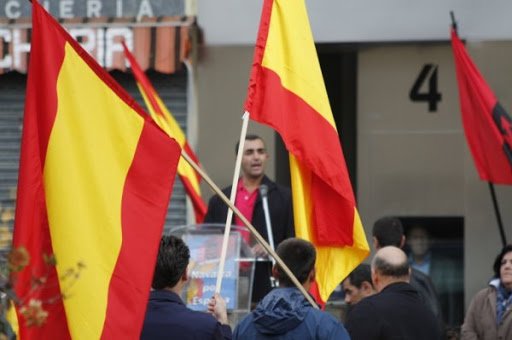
(140, 77)
(200, 208)
(192, 155)
(313, 290)
(31, 228)
(142, 200)
(330, 183)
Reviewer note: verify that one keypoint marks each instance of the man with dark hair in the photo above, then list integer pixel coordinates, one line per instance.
(396, 312)
(166, 314)
(285, 313)
(358, 284)
(388, 231)
(249, 202)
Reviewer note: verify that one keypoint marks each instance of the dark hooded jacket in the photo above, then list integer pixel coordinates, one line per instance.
(286, 314)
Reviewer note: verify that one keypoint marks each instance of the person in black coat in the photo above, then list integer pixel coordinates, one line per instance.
(389, 231)
(166, 315)
(249, 202)
(397, 311)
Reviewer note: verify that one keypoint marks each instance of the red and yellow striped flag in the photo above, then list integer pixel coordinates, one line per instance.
(163, 117)
(287, 92)
(95, 181)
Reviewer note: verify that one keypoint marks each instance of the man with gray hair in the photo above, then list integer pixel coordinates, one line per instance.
(397, 311)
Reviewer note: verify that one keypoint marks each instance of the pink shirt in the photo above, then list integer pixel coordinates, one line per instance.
(245, 203)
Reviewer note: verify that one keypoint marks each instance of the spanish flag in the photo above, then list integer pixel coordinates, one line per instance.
(287, 92)
(163, 117)
(487, 126)
(95, 181)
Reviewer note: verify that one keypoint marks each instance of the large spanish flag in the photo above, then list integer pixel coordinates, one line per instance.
(163, 117)
(487, 126)
(287, 92)
(94, 184)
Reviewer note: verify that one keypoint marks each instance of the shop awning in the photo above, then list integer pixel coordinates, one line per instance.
(159, 43)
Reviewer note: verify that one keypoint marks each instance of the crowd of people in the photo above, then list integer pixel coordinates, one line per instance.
(393, 297)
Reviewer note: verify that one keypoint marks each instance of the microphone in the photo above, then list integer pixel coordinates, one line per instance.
(263, 190)
(263, 193)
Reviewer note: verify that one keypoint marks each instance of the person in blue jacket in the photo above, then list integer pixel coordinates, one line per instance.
(167, 317)
(285, 313)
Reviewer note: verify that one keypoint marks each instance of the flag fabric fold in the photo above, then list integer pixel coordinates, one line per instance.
(94, 185)
(487, 126)
(162, 116)
(287, 92)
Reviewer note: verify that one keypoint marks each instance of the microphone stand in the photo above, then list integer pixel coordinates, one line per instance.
(264, 200)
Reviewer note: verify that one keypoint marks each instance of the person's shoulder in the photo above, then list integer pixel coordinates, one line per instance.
(484, 293)
(200, 319)
(242, 326)
(326, 323)
(421, 280)
(276, 187)
(419, 275)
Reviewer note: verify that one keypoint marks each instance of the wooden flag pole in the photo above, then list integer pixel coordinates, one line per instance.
(227, 229)
(251, 228)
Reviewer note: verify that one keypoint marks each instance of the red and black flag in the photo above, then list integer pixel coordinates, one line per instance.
(487, 125)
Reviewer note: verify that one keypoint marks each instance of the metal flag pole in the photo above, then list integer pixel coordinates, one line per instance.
(498, 214)
(268, 223)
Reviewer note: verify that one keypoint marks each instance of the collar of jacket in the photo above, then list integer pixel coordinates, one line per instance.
(162, 294)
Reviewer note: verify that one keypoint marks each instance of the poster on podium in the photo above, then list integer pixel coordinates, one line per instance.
(205, 252)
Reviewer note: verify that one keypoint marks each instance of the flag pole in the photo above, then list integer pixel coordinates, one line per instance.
(251, 228)
(491, 185)
(232, 197)
(454, 23)
(498, 214)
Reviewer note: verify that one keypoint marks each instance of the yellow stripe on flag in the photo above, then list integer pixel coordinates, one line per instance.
(172, 128)
(167, 121)
(85, 219)
(296, 66)
(333, 264)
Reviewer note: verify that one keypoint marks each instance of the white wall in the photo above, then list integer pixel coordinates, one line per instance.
(227, 22)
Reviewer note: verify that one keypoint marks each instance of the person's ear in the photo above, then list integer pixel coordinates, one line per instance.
(186, 274)
(375, 279)
(312, 275)
(402, 241)
(275, 272)
(367, 287)
(376, 244)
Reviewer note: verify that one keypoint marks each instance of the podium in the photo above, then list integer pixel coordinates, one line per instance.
(205, 244)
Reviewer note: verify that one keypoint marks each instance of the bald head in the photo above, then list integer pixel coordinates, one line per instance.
(388, 266)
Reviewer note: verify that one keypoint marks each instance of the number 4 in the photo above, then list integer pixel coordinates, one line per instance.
(432, 96)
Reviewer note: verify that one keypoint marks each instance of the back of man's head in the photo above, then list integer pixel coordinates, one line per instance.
(388, 231)
(300, 256)
(389, 265)
(171, 262)
(362, 273)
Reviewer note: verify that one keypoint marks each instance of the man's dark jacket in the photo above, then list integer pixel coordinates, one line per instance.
(425, 287)
(397, 312)
(281, 217)
(167, 317)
